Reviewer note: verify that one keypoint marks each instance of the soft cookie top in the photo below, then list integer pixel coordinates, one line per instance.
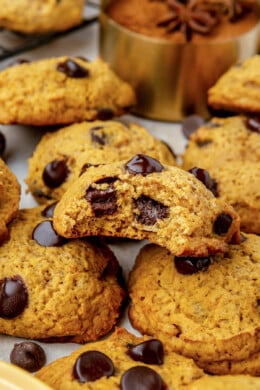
(143, 199)
(62, 90)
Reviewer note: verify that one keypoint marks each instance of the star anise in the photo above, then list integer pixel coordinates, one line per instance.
(190, 16)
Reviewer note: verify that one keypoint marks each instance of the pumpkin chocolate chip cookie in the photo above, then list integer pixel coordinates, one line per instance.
(9, 198)
(207, 308)
(142, 199)
(62, 156)
(62, 90)
(121, 361)
(37, 16)
(53, 288)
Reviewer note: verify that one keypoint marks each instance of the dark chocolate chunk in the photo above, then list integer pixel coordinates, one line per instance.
(92, 365)
(141, 378)
(205, 178)
(28, 355)
(13, 297)
(222, 224)
(105, 114)
(103, 201)
(141, 164)
(203, 143)
(49, 210)
(191, 265)
(55, 173)
(149, 352)
(72, 69)
(150, 210)
(45, 235)
(2, 144)
(97, 135)
(253, 124)
(191, 124)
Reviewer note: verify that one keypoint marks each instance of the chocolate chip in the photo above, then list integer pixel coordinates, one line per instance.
(191, 265)
(45, 235)
(150, 210)
(141, 378)
(49, 210)
(28, 355)
(205, 178)
(222, 224)
(149, 352)
(191, 124)
(97, 135)
(13, 297)
(105, 114)
(103, 200)
(92, 365)
(203, 143)
(55, 173)
(141, 164)
(72, 69)
(253, 124)
(85, 167)
(2, 144)
(40, 194)
(18, 61)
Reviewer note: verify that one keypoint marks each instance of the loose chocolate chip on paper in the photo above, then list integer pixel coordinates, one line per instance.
(28, 355)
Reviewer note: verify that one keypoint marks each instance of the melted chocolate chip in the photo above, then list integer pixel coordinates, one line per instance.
(191, 124)
(105, 114)
(92, 365)
(141, 378)
(149, 352)
(150, 210)
(103, 201)
(45, 235)
(13, 297)
(191, 265)
(72, 69)
(204, 177)
(28, 355)
(97, 135)
(49, 210)
(253, 124)
(55, 173)
(40, 194)
(141, 164)
(222, 224)
(2, 144)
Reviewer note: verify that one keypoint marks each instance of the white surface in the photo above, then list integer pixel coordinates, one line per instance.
(22, 140)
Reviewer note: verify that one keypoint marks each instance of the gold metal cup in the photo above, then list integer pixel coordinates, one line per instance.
(170, 79)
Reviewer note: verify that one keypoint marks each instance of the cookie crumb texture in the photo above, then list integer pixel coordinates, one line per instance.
(237, 90)
(9, 198)
(40, 16)
(63, 90)
(176, 372)
(211, 316)
(65, 154)
(165, 205)
(53, 288)
(227, 382)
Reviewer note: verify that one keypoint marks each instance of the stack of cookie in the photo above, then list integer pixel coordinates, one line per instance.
(194, 289)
